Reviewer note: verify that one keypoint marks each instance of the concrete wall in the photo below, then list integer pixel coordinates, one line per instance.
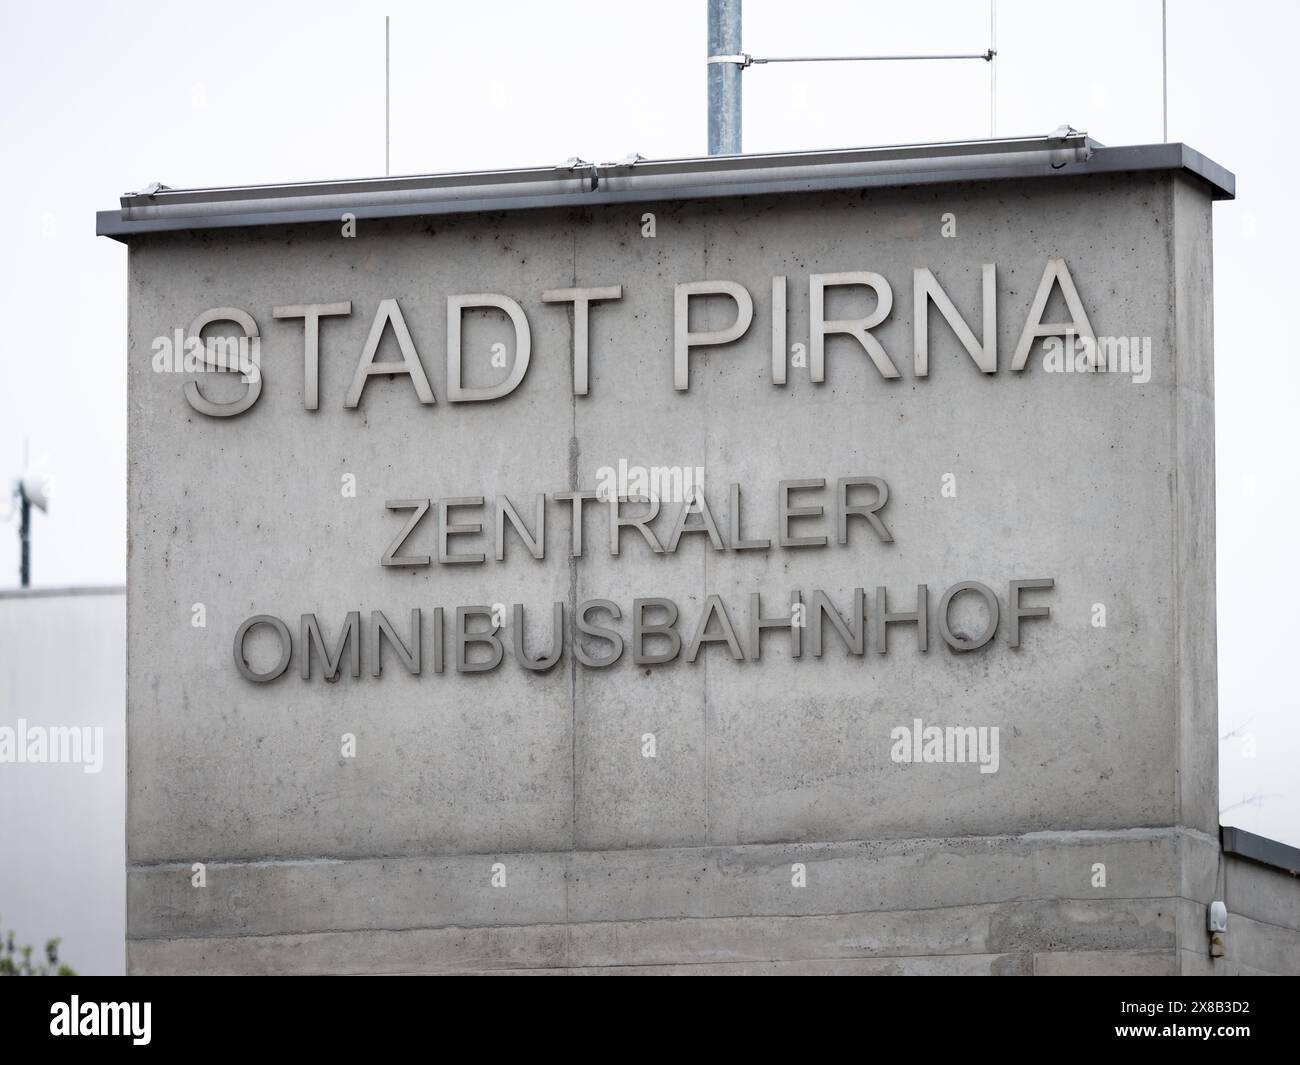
(62, 830)
(383, 862)
(1263, 935)
(1263, 931)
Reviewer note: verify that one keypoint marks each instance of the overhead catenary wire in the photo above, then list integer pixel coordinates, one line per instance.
(724, 31)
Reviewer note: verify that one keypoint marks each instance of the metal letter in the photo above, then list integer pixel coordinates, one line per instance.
(193, 396)
(709, 526)
(576, 500)
(539, 665)
(380, 626)
(640, 630)
(853, 636)
(737, 544)
(523, 344)
(1017, 611)
(919, 617)
(437, 639)
(581, 298)
(854, 327)
(389, 311)
(1035, 326)
(714, 607)
(391, 558)
(861, 509)
(447, 530)
(779, 355)
(758, 623)
(464, 638)
(684, 339)
(286, 645)
(585, 627)
(310, 639)
(536, 544)
(785, 513)
(311, 314)
(962, 643)
(617, 522)
(926, 288)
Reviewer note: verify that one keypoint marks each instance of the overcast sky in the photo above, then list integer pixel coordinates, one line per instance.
(104, 98)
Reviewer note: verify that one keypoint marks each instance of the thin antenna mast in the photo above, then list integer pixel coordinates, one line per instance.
(386, 96)
(1164, 72)
(993, 69)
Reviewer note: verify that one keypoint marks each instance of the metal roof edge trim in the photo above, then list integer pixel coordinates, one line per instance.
(691, 179)
(1260, 849)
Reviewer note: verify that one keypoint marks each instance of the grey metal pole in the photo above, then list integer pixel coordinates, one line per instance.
(724, 78)
(25, 535)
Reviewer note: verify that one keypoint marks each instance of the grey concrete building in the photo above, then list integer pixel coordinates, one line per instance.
(786, 564)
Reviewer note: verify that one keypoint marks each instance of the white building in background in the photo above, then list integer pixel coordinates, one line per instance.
(63, 773)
